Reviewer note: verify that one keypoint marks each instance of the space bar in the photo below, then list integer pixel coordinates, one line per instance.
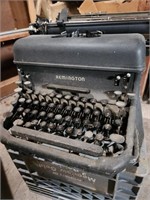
(58, 141)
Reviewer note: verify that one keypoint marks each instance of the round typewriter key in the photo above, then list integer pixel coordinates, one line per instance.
(79, 132)
(86, 122)
(93, 101)
(77, 122)
(27, 111)
(77, 109)
(117, 138)
(35, 103)
(60, 129)
(118, 122)
(84, 99)
(96, 113)
(76, 98)
(121, 104)
(18, 90)
(28, 101)
(29, 91)
(43, 104)
(27, 124)
(58, 118)
(107, 113)
(42, 114)
(51, 105)
(99, 137)
(50, 115)
(60, 106)
(69, 130)
(27, 83)
(97, 125)
(21, 100)
(67, 97)
(107, 127)
(88, 136)
(18, 122)
(59, 96)
(34, 122)
(67, 118)
(52, 94)
(19, 83)
(34, 112)
(52, 126)
(43, 125)
(87, 111)
(20, 109)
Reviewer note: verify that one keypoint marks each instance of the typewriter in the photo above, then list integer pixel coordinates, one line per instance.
(76, 123)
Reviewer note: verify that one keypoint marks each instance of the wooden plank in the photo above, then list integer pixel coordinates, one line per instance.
(7, 87)
(31, 10)
(13, 36)
(145, 76)
(20, 13)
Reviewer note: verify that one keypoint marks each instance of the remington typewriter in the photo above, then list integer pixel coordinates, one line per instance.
(75, 130)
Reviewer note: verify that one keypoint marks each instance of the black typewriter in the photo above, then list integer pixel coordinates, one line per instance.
(77, 119)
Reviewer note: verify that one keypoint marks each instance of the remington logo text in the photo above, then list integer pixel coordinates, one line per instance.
(70, 78)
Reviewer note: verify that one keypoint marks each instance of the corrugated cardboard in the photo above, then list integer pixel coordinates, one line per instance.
(88, 6)
(109, 7)
(129, 6)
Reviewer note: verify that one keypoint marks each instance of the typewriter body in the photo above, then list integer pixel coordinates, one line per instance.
(78, 117)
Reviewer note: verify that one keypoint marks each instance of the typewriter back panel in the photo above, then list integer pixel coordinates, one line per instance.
(93, 64)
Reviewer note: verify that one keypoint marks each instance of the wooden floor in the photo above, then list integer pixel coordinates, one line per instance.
(13, 186)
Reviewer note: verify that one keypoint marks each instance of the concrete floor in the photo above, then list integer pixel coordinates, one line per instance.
(18, 190)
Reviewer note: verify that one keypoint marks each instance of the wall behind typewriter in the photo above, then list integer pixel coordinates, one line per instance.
(14, 15)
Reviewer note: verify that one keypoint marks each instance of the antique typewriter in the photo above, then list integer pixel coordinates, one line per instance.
(75, 130)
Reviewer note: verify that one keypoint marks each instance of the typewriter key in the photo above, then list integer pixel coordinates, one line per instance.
(83, 99)
(107, 128)
(76, 98)
(50, 116)
(69, 130)
(34, 123)
(26, 112)
(18, 90)
(117, 138)
(88, 136)
(27, 125)
(19, 83)
(77, 122)
(67, 97)
(77, 110)
(18, 122)
(34, 113)
(35, 103)
(98, 138)
(58, 118)
(43, 125)
(28, 102)
(51, 127)
(96, 125)
(42, 114)
(60, 129)
(53, 94)
(21, 100)
(27, 83)
(68, 120)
